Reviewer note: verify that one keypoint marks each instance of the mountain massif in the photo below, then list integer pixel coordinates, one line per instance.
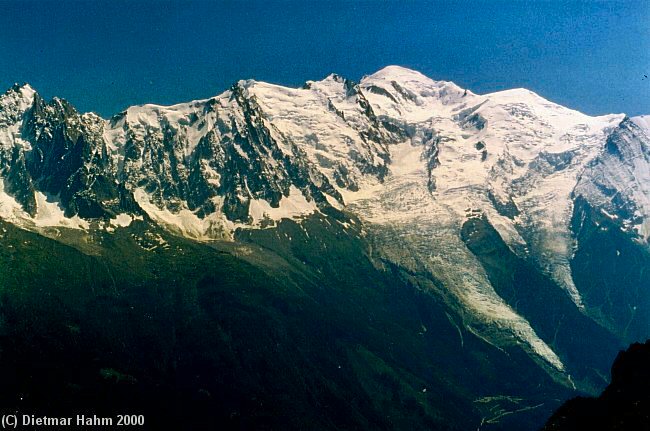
(394, 253)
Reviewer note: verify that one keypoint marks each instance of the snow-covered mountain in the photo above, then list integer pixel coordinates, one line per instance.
(414, 159)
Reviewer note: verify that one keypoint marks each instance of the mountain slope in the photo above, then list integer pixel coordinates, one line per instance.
(623, 405)
(242, 336)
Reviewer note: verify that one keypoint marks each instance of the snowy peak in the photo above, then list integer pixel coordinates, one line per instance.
(643, 122)
(23, 94)
(618, 181)
(207, 167)
(333, 122)
(401, 73)
(13, 105)
(414, 80)
(402, 92)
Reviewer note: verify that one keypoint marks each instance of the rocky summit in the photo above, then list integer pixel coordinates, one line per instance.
(470, 261)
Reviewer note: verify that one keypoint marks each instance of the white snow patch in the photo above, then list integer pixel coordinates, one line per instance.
(333, 202)
(10, 210)
(124, 220)
(49, 214)
(185, 222)
(643, 121)
(294, 205)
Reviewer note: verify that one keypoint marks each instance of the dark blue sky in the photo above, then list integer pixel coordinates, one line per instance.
(105, 56)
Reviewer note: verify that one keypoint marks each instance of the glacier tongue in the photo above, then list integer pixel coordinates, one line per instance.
(423, 234)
